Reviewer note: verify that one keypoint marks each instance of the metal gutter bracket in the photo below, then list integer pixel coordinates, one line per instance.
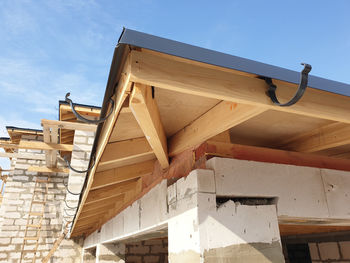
(80, 171)
(79, 117)
(301, 89)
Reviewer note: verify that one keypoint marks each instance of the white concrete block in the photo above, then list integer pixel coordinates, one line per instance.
(239, 224)
(299, 189)
(199, 180)
(154, 206)
(172, 193)
(132, 218)
(337, 188)
(184, 227)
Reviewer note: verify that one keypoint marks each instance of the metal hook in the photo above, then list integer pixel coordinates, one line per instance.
(78, 171)
(72, 105)
(301, 89)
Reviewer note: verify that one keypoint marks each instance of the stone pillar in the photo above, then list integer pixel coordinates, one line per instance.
(110, 253)
(204, 230)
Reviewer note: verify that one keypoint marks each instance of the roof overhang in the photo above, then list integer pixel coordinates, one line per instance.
(170, 97)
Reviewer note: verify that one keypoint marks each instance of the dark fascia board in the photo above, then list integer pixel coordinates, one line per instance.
(178, 49)
(62, 102)
(13, 129)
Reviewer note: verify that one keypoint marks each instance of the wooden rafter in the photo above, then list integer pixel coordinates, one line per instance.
(199, 79)
(329, 136)
(44, 169)
(122, 174)
(222, 117)
(36, 145)
(125, 152)
(146, 112)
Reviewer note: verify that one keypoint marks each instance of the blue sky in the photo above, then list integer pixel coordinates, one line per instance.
(48, 48)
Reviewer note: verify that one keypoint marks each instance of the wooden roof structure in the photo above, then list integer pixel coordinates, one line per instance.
(167, 103)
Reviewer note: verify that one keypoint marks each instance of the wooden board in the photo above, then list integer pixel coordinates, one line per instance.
(272, 127)
(293, 230)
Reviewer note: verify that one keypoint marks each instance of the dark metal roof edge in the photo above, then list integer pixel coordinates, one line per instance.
(179, 49)
(62, 102)
(113, 78)
(23, 129)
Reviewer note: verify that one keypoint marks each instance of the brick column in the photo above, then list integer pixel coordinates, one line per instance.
(204, 230)
(80, 160)
(110, 253)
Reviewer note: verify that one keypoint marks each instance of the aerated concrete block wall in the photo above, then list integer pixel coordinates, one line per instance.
(330, 252)
(14, 212)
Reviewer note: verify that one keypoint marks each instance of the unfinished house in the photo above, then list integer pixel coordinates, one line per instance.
(194, 156)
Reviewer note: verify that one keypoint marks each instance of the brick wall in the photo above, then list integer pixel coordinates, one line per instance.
(330, 252)
(14, 212)
(149, 251)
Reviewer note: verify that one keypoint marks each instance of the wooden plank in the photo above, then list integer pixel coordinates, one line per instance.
(222, 117)
(37, 145)
(31, 156)
(192, 78)
(121, 174)
(48, 153)
(329, 136)
(109, 191)
(68, 125)
(146, 112)
(125, 153)
(44, 169)
(294, 230)
(97, 211)
(104, 202)
(260, 154)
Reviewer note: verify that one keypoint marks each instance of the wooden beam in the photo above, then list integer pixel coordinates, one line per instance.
(68, 125)
(329, 136)
(48, 153)
(31, 156)
(199, 79)
(109, 191)
(44, 169)
(125, 152)
(260, 154)
(37, 145)
(220, 118)
(121, 174)
(145, 110)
